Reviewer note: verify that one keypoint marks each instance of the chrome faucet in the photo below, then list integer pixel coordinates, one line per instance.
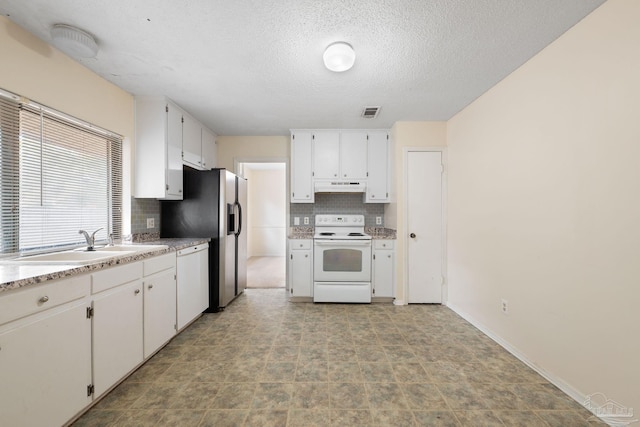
(90, 239)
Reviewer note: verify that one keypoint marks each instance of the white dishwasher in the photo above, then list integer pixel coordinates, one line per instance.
(192, 282)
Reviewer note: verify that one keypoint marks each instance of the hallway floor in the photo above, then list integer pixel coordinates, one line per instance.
(267, 362)
(266, 272)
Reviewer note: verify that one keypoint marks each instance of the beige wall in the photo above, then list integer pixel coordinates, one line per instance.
(544, 207)
(407, 135)
(248, 148)
(36, 70)
(40, 72)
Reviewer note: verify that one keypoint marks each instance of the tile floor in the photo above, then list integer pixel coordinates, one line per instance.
(267, 362)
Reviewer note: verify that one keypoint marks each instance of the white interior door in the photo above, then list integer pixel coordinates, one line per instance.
(424, 226)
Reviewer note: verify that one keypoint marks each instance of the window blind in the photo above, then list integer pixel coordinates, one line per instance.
(66, 175)
(9, 174)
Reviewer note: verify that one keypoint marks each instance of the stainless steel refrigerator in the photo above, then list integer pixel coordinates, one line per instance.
(213, 206)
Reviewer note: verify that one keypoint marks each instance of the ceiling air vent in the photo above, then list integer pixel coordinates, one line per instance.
(370, 112)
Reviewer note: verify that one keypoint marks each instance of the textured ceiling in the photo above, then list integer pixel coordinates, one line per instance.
(255, 67)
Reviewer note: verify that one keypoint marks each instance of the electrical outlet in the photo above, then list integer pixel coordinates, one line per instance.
(505, 306)
(378, 220)
(306, 220)
(296, 220)
(151, 223)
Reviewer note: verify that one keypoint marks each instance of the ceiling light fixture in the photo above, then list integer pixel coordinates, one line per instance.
(339, 56)
(73, 41)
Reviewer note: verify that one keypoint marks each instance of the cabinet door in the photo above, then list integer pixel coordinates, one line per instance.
(353, 155)
(45, 367)
(117, 334)
(174, 152)
(209, 149)
(383, 273)
(326, 155)
(300, 272)
(378, 166)
(159, 310)
(193, 286)
(191, 142)
(301, 168)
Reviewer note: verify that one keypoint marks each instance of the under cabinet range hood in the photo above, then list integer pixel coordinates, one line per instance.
(340, 187)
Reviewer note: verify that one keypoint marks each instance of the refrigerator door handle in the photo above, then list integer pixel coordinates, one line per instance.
(239, 230)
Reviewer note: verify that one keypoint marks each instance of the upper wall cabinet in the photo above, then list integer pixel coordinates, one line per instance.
(209, 149)
(379, 166)
(158, 161)
(167, 137)
(339, 155)
(301, 167)
(198, 144)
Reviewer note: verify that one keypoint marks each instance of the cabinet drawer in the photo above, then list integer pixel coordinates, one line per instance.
(111, 277)
(383, 244)
(300, 244)
(159, 263)
(33, 299)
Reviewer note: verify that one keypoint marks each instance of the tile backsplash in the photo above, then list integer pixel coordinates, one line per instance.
(141, 209)
(335, 203)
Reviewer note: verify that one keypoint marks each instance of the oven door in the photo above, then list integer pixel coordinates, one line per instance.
(342, 261)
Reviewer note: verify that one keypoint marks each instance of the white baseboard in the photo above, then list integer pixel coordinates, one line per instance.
(399, 302)
(558, 382)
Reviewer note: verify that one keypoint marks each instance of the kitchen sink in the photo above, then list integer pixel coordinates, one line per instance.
(70, 257)
(82, 256)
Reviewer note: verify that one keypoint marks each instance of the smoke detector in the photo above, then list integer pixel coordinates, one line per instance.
(74, 41)
(370, 112)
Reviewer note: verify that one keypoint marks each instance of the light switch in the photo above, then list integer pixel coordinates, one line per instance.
(296, 220)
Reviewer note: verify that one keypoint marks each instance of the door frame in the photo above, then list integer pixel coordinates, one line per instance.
(405, 219)
(238, 165)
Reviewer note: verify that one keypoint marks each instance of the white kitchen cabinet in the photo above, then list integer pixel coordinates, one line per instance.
(340, 155)
(209, 149)
(383, 278)
(300, 267)
(45, 358)
(159, 285)
(117, 326)
(193, 283)
(158, 146)
(191, 141)
(379, 166)
(301, 167)
(326, 155)
(353, 155)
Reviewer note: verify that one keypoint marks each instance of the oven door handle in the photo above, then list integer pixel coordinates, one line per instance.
(343, 243)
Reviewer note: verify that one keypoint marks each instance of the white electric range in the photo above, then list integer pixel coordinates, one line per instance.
(341, 260)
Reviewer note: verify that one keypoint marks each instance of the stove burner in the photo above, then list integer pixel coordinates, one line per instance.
(327, 234)
(356, 234)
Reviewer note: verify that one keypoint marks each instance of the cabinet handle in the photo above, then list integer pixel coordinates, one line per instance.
(388, 256)
(137, 291)
(44, 299)
(306, 255)
(373, 196)
(150, 286)
(179, 191)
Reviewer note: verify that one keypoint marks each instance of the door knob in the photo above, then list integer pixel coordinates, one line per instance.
(412, 235)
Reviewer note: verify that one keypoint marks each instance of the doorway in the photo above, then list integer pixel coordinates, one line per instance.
(266, 222)
(425, 226)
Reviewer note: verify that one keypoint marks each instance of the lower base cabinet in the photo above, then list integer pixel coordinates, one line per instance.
(66, 342)
(300, 268)
(117, 334)
(159, 310)
(383, 269)
(45, 367)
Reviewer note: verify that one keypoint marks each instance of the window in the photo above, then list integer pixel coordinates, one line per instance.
(59, 175)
